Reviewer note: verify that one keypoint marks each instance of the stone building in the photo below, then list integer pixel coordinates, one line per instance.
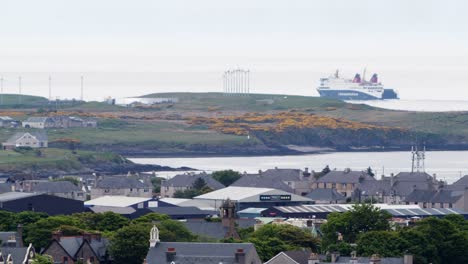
(199, 253)
(27, 139)
(184, 182)
(88, 248)
(344, 182)
(121, 186)
(63, 189)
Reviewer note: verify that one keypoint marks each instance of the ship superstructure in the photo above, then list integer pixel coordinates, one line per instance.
(354, 89)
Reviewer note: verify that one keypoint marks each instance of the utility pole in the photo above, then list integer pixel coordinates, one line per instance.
(81, 97)
(50, 88)
(19, 90)
(1, 89)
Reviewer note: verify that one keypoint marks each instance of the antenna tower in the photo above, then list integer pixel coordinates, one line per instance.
(418, 159)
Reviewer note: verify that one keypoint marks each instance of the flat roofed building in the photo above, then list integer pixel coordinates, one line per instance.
(247, 197)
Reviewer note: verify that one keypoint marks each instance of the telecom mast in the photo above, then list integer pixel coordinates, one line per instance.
(418, 159)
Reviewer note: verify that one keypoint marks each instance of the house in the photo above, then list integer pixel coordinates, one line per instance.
(199, 253)
(395, 188)
(17, 255)
(63, 189)
(87, 248)
(38, 122)
(326, 196)
(50, 204)
(246, 197)
(26, 139)
(12, 238)
(121, 186)
(261, 181)
(58, 122)
(6, 121)
(344, 182)
(289, 180)
(307, 257)
(184, 182)
(441, 198)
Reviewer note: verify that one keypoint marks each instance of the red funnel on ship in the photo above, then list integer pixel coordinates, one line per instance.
(357, 78)
(374, 78)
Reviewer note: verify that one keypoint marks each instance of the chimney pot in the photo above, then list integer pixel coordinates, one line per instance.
(240, 256)
(170, 254)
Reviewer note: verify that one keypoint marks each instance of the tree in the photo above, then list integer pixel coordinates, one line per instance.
(7, 221)
(42, 259)
(360, 219)
(151, 218)
(40, 232)
(199, 187)
(156, 181)
(272, 239)
(384, 243)
(370, 172)
(226, 177)
(107, 221)
(130, 244)
(73, 180)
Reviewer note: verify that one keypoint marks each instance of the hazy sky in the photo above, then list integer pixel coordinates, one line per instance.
(125, 47)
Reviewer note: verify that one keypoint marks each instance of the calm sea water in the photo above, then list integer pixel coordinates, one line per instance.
(447, 165)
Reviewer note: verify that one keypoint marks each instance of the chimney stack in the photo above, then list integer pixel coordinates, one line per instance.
(19, 236)
(87, 237)
(313, 259)
(240, 256)
(408, 259)
(170, 254)
(57, 235)
(375, 259)
(334, 257)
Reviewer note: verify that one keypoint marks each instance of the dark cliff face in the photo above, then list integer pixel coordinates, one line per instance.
(103, 168)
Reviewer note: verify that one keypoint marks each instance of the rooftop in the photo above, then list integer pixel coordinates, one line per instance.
(11, 196)
(247, 194)
(116, 201)
(187, 180)
(122, 182)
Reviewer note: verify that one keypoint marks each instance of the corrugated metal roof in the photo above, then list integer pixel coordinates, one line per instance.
(116, 201)
(10, 196)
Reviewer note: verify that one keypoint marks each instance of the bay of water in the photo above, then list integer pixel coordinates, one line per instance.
(447, 165)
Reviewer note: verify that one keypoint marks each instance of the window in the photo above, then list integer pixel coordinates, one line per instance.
(450, 205)
(91, 259)
(65, 260)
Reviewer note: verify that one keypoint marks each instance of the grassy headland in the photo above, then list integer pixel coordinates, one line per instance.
(248, 125)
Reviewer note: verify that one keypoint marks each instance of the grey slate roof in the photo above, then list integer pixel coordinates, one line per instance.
(41, 136)
(214, 229)
(434, 196)
(174, 211)
(121, 182)
(55, 187)
(325, 195)
(262, 181)
(4, 237)
(206, 229)
(202, 253)
(187, 180)
(300, 256)
(345, 177)
(366, 260)
(37, 119)
(18, 254)
(413, 176)
(282, 258)
(283, 174)
(462, 181)
(72, 245)
(374, 187)
(5, 187)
